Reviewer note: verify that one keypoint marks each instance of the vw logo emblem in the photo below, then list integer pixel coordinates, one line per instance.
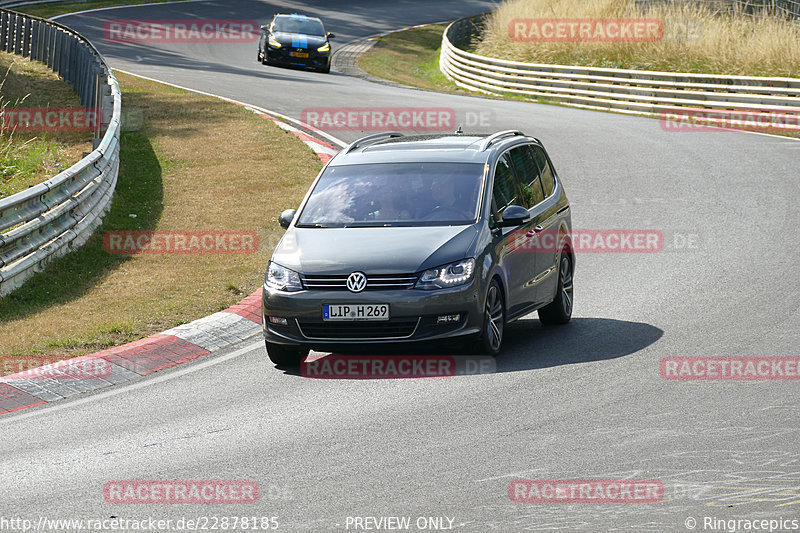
(356, 282)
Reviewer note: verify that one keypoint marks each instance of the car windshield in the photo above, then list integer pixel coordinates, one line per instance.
(395, 194)
(301, 25)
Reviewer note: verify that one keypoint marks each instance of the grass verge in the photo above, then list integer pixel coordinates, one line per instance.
(51, 10)
(196, 163)
(410, 57)
(30, 157)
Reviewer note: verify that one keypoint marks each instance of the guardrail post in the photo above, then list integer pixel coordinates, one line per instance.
(12, 21)
(26, 37)
(60, 57)
(4, 16)
(36, 40)
(18, 32)
(51, 45)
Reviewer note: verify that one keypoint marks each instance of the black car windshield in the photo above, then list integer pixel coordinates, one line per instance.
(395, 194)
(301, 25)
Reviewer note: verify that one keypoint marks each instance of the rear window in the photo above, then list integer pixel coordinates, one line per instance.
(394, 194)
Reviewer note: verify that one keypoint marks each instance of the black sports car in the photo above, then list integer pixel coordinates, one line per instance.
(295, 40)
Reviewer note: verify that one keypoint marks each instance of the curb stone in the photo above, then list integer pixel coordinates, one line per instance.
(157, 352)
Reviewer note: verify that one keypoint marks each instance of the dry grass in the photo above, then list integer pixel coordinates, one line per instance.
(697, 39)
(196, 164)
(26, 157)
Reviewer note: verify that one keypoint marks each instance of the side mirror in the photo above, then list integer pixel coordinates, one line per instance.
(331, 35)
(286, 218)
(514, 215)
(263, 27)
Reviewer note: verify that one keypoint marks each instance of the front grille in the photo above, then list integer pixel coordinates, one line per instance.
(395, 328)
(381, 282)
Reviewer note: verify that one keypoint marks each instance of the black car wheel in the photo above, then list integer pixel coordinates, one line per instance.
(281, 355)
(559, 311)
(494, 320)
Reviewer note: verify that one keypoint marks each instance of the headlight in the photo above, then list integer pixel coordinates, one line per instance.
(446, 276)
(324, 48)
(282, 279)
(273, 43)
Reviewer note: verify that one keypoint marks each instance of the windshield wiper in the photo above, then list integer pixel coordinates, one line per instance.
(314, 225)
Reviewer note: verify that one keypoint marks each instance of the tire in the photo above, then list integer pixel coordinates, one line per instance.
(559, 311)
(285, 355)
(494, 320)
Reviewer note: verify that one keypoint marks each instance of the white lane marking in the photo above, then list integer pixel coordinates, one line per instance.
(769, 135)
(515, 475)
(10, 418)
(122, 7)
(319, 149)
(264, 110)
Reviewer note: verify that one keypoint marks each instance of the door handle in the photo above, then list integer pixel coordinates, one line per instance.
(534, 231)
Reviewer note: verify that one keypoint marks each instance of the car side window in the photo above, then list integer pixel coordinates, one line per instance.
(505, 187)
(544, 167)
(530, 186)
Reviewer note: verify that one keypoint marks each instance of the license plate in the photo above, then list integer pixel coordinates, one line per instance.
(351, 312)
(298, 54)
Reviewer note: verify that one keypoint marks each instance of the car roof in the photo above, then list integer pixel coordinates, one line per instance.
(445, 148)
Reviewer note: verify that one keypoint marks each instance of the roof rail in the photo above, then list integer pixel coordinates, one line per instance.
(491, 139)
(369, 139)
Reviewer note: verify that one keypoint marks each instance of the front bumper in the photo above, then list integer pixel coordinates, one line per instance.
(282, 56)
(413, 314)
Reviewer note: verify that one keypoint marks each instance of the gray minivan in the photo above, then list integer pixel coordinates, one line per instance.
(405, 239)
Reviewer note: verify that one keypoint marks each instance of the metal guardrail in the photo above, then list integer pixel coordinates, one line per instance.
(59, 215)
(631, 91)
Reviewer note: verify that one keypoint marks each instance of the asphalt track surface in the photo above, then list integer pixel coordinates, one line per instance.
(582, 401)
